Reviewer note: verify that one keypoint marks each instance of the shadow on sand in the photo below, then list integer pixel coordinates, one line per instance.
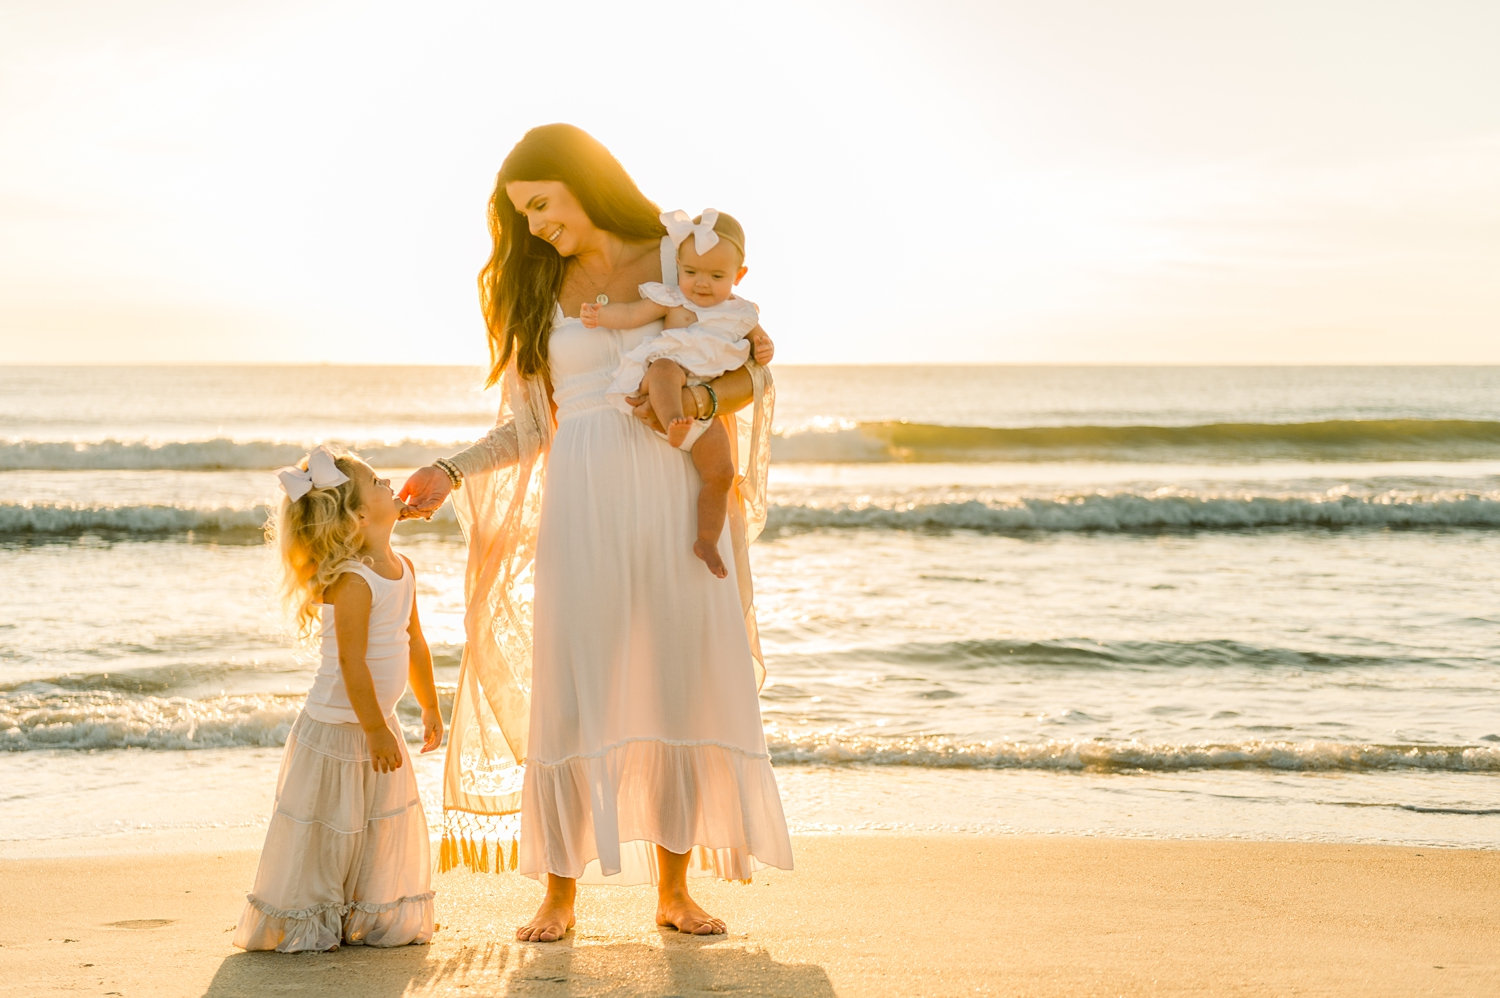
(681, 965)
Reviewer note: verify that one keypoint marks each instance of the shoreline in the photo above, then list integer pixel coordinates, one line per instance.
(864, 914)
(67, 803)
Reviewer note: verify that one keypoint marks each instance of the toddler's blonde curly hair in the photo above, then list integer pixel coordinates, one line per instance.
(316, 535)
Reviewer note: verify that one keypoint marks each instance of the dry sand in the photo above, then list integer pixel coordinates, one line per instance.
(862, 916)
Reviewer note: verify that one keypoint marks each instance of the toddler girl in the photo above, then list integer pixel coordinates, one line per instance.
(346, 858)
(704, 336)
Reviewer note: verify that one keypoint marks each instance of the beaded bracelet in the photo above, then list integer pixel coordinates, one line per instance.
(447, 467)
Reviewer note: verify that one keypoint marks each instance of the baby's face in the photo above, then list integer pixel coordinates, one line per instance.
(709, 278)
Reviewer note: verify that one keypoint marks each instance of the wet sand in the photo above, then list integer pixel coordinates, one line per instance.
(863, 915)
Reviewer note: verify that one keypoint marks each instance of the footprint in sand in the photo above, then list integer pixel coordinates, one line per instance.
(140, 923)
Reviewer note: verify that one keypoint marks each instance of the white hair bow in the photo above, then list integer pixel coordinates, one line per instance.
(321, 473)
(680, 225)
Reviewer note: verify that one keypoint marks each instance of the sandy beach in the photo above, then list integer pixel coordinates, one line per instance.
(862, 915)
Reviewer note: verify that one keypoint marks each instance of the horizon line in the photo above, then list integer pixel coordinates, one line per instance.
(866, 364)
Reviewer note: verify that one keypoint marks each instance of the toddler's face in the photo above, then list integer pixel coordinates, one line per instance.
(708, 279)
(376, 497)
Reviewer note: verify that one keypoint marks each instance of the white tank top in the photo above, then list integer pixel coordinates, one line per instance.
(387, 654)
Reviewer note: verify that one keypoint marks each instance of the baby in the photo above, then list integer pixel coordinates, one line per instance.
(704, 336)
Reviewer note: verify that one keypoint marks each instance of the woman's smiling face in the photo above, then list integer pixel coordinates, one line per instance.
(552, 213)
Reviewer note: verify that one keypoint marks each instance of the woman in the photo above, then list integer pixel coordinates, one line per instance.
(633, 704)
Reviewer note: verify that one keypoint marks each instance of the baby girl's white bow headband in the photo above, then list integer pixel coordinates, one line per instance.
(680, 226)
(321, 473)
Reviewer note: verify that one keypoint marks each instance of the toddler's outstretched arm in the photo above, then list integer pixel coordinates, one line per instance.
(350, 596)
(621, 315)
(419, 675)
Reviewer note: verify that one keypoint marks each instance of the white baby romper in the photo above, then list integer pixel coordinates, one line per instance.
(712, 345)
(346, 854)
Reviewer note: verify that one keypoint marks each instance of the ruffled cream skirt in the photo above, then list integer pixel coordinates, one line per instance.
(645, 723)
(346, 854)
(600, 817)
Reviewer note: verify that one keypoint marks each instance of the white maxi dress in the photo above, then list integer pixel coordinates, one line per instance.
(645, 725)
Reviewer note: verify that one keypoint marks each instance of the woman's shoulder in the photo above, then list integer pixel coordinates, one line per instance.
(643, 251)
(646, 261)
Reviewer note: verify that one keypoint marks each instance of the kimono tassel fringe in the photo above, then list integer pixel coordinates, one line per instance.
(474, 854)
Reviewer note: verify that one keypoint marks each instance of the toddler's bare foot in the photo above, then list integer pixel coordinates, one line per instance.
(677, 431)
(550, 923)
(683, 914)
(709, 552)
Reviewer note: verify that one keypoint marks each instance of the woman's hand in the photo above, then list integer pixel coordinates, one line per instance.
(643, 410)
(432, 728)
(761, 346)
(424, 492)
(385, 751)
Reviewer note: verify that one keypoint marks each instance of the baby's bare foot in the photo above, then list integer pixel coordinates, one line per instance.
(709, 552)
(683, 914)
(550, 923)
(677, 431)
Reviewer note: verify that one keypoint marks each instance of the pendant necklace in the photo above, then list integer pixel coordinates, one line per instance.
(600, 297)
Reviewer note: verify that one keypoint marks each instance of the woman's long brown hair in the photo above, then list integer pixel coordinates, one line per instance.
(520, 285)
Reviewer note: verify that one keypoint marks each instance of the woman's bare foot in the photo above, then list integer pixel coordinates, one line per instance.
(677, 431)
(682, 913)
(709, 552)
(555, 916)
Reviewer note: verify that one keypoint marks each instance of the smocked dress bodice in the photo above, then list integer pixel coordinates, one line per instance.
(582, 361)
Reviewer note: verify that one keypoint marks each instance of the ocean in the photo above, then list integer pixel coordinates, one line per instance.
(1147, 601)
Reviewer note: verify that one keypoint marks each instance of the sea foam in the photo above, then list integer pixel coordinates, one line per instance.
(103, 719)
(1098, 513)
(879, 441)
(107, 720)
(71, 519)
(1122, 756)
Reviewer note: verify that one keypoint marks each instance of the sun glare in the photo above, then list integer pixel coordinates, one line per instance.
(1041, 185)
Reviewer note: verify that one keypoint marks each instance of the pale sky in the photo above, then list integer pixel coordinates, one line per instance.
(1115, 181)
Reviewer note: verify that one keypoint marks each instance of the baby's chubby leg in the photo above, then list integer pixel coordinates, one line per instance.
(711, 458)
(664, 380)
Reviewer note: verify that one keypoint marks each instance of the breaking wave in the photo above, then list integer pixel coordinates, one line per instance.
(1087, 654)
(1135, 513)
(227, 523)
(1325, 440)
(98, 720)
(221, 454)
(1124, 756)
(1096, 513)
(104, 719)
